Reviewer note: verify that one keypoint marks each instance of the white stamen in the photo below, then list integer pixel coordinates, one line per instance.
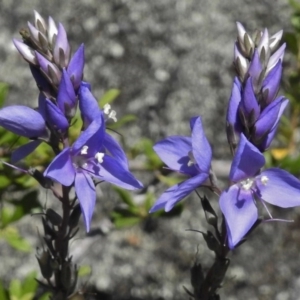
(192, 159)
(84, 150)
(99, 156)
(190, 163)
(112, 115)
(264, 180)
(106, 108)
(247, 184)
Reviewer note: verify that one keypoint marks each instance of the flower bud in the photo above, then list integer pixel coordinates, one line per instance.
(49, 69)
(45, 182)
(26, 52)
(275, 40)
(44, 260)
(52, 32)
(62, 51)
(53, 217)
(39, 22)
(74, 217)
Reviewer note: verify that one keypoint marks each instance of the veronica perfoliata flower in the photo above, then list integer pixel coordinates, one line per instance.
(250, 185)
(188, 155)
(88, 157)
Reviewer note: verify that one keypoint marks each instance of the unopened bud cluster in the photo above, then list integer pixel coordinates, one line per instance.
(254, 107)
(46, 48)
(53, 259)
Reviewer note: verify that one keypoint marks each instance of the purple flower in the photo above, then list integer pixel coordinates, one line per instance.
(244, 115)
(75, 67)
(271, 83)
(66, 98)
(88, 157)
(238, 202)
(23, 121)
(188, 155)
(62, 50)
(90, 111)
(30, 123)
(26, 52)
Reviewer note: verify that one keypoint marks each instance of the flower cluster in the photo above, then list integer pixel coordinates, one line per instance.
(253, 116)
(59, 78)
(254, 108)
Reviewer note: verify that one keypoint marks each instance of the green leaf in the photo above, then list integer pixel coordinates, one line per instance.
(291, 42)
(176, 211)
(3, 93)
(26, 181)
(3, 293)
(295, 5)
(125, 222)
(19, 244)
(13, 238)
(145, 146)
(46, 296)
(123, 121)
(109, 97)
(84, 270)
(125, 196)
(4, 181)
(29, 284)
(295, 20)
(28, 296)
(7, 215)
(149, 201)
(15, 289)
(126, 212)
(29, 202)
(7, 137)
(168, 180)
(291, 165)
(21, 208)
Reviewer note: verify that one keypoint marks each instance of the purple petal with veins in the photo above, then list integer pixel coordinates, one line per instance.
(75, 67)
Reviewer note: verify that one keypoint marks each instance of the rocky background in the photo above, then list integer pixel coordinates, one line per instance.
(171, 59)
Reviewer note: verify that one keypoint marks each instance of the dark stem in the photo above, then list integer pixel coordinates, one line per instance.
(61, 245)
(206, 286)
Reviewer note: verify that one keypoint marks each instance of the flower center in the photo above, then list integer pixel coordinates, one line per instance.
(99, 156)
(247, 184)
(81, 160)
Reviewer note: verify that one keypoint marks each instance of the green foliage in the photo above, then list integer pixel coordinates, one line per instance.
(3, 93)
(134, 212)
(109, 97)
(287, 154)
(129, 215)
(122, 122)
(145, 148)
(13, 238)
(13, 210)
(22, 290)
(84, 270)
(17, 183)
